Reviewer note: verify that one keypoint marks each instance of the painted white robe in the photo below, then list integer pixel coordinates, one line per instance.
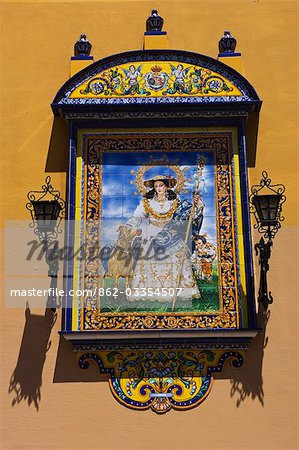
(169, 269)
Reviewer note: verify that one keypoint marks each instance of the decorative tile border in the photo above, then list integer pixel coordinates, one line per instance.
(220, 144)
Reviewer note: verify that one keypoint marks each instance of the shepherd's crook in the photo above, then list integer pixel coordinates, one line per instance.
(200, 165)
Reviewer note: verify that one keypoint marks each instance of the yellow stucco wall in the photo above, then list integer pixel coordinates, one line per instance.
(258, 409)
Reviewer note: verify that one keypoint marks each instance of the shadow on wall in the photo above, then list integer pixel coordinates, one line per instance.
(57, 160)
(68, 370)
(26, 380)
(247, 382)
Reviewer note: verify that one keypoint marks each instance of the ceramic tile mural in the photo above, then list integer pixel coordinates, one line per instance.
(162, 209)
(159, 211)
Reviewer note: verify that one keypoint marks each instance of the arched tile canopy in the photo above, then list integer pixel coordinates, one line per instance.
(203, 80)
(152, 81)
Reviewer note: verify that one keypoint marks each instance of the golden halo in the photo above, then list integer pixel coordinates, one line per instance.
(143, 169)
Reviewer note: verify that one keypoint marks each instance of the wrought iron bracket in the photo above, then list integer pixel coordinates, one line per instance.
(263, 249)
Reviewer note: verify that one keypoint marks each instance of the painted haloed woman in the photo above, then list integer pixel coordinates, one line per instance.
(166, 228)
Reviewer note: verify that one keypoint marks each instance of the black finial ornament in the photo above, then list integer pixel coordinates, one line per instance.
(154, 23)
(227, 43)
(82, 46)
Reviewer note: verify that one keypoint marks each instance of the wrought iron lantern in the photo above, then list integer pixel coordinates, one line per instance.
(47, 209)
(266, 204)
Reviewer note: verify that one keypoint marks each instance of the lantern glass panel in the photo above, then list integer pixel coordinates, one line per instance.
(46, 214)
(267, 208)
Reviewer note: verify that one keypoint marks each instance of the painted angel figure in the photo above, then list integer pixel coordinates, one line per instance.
(163, 222)
(133, 75)
(180, 75)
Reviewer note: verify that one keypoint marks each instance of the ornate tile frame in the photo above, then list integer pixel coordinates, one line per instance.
(220, 142)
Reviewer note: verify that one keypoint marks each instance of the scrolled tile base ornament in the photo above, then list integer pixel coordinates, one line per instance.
(161, 379)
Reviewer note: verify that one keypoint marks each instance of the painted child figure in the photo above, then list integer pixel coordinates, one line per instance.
(203, 257)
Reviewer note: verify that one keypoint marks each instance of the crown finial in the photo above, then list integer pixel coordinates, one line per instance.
(154, 22)
(227, 43)
(82, 46)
